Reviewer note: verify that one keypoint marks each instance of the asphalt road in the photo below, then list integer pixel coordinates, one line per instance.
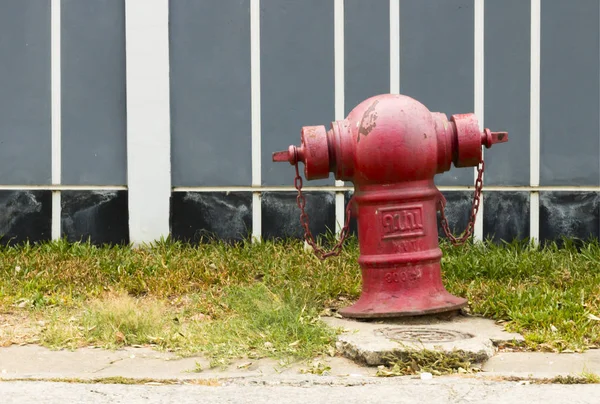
(388, 391)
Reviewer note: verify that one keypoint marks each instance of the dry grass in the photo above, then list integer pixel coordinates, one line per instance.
(19, 327)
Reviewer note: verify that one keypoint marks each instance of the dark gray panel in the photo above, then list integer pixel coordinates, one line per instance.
(436, 61)
(94, 146)
(25, 216)
(569, 214)
(101, 217)
(210, 92)
(297, 78)
(506, 215)
(281, 216)
(202, 216)
(569, 102)
(367, 51)
(25, 138)
(507, 65)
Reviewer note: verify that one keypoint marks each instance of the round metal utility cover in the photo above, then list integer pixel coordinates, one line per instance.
(422, 334)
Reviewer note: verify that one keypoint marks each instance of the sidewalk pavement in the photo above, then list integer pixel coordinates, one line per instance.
(31, 362)
(360, 344)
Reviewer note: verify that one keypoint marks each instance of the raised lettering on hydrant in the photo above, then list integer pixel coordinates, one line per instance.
(391, 147)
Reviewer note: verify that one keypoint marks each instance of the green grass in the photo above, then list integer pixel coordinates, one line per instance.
(550, 295)
(256, 300)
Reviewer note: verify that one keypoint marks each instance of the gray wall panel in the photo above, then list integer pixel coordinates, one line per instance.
(507, 66)
(210, 92)
(436, 61)
(94, 146)
(367, 51)
(569, 102)
(25, 137)
(297, 78)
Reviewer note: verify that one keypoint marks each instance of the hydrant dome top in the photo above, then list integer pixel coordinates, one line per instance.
(394, 138)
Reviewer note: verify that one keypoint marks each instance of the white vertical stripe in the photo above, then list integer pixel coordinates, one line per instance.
(339, 95)
(340, 211)
(395, 46)
(55, 76)
(56, 215)
(479, 94)
(256, 117)
(534, 128)
(148, 119)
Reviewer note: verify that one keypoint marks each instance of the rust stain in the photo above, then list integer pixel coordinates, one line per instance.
(368, 121)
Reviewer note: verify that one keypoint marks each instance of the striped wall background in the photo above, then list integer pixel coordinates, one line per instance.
(131, 120)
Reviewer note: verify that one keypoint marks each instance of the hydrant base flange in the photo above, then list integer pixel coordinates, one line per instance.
(400, 258)
(406, 307)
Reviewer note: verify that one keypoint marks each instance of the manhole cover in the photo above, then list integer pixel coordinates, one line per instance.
(422, 334)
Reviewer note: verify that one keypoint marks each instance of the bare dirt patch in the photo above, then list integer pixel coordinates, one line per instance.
(19, 328)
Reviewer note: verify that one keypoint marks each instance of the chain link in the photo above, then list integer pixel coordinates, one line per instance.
(474, 209)
(301, 201)
(337, 249)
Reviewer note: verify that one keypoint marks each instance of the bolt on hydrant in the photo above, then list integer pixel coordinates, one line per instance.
(391, 147)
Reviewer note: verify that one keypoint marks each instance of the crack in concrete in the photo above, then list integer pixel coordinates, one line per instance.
(460, 397)
(112, 362)
(99, 392)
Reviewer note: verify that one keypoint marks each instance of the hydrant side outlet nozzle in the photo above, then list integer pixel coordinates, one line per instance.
(390, 147)
(313, 152)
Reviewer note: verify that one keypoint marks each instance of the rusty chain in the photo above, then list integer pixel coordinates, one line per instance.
(474, 209)
(322, 254)
(301, 201)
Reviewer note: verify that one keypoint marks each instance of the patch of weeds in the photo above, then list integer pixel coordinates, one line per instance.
(569, 379)
(411, 362)
(254, 322)
(116, 320)
(317, 367)
(62, 330)
(592, 378)
(583, 378)
(120, 320)
(263, 323)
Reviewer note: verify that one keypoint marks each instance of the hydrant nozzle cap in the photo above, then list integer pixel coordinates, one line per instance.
(291, 155)
(490, 138)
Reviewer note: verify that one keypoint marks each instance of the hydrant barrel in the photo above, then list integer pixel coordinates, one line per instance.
(390, 147)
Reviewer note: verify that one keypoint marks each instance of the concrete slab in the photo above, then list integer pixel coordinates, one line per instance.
(543, 365)
(36, 362)
(33, 361)
(369, 342)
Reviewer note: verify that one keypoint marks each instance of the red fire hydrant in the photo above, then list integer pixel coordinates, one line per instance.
(390, 147)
